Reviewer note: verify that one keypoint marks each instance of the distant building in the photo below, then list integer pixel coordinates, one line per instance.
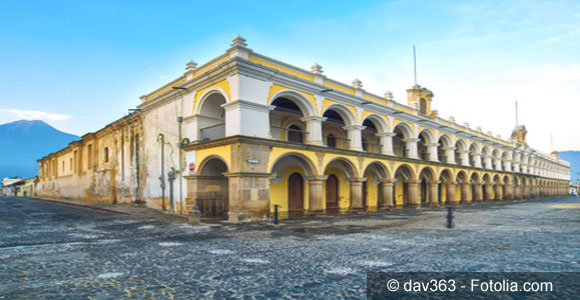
(27, 188)
(574, 188)
(9, 185)
(244, 132)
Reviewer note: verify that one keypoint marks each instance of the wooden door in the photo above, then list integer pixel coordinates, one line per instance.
(295, 192)
(332, 192)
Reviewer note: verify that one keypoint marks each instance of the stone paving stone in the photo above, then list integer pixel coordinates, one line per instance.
(52, 251)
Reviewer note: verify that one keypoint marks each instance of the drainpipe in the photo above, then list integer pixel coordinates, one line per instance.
(161, 138)
(180, 168)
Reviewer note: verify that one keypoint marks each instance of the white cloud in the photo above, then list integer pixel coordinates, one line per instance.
(17, 114)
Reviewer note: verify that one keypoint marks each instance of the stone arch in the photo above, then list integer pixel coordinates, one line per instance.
(463, 187)
(202, 165)
(345, 165)
(446, 189)
(345, 113)
(461, 156)
(380, 123)
(376, 174)
(505, 157)
(402, 131)
(427, 186)
(212, 202)
(306, 107)
(210, 115)
(290, 159)
(214, 93)
(498, 187)
(288, 187)
(487, 187)
(425, 140)
(475, 182)
(445, 149)
(405, 186)
(474, 155)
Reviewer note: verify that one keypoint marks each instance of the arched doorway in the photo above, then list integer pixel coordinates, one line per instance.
(288, 185)
(295, 192)
(426, 178)
(212, 195)
(332, 192)
(401, 187)
(375, 173)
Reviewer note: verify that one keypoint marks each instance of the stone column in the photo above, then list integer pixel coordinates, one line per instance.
(354, 136)
(411, 147)
(497, 164)
(315, 201)
(464, 157)
(516, 167)
(507, 165)
(386, 193)
(237, 113)
(508, 192)
(356, 193)
(386, 143)
(432, 151)
(465, 192)
(517, 192)
(450, 154)
(313, 130)
(477, 160)
(412, 186)
(478, 196)
(526, 194)
(249, 195)
(488, 191)
(434, 193)
(498, 191)
(488, 164)
(451, 193)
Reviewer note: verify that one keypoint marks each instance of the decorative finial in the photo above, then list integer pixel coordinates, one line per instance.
(452, 119)
(489, 133)
(239, 41)
(498, 137)
(190, 65)
(466, 124)
(389, 95)
(316, 68)
(357, 84)
(478, 128)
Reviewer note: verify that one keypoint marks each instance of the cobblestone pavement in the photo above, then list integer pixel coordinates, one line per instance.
(53, 251)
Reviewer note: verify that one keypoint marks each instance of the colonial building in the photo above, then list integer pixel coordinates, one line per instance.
(244, 132)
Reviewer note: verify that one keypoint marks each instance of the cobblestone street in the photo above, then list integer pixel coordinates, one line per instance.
(53, 251)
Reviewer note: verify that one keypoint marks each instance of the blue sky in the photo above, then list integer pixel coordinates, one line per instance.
(80, 65)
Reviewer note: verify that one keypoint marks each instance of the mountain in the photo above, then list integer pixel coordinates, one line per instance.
(23, 142)
(573, 157)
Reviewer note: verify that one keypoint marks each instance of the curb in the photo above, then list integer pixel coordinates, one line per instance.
(86, 206)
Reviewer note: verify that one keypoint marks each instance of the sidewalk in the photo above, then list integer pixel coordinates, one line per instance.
(136, 211)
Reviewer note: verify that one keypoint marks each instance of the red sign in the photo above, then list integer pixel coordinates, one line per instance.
(191, 167)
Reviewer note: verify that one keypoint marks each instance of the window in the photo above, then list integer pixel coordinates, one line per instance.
(331, 141)
(89, 156)
(423, 106)
(295, 134)
(106, 154)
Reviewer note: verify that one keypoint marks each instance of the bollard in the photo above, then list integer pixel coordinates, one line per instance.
(450, 223)
(275, 213)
